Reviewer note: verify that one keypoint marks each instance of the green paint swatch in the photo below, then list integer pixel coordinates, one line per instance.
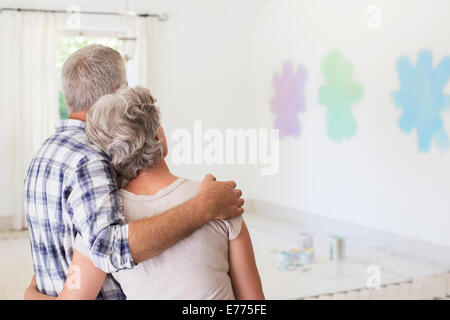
(339, 94)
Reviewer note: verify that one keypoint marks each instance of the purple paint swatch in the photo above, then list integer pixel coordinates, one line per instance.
(289, 99)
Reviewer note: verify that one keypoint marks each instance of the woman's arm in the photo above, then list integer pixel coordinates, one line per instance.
(83, 282)
(243, 271)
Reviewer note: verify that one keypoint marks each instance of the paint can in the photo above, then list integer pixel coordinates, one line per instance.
(305, 241)
(295, 256)
(337, 248)
(306, 256)
(285, 261)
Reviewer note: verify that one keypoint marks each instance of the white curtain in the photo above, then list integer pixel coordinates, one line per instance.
(30, 91)
(141, 69)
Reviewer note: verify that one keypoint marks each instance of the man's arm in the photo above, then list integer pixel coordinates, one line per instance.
(95, 203)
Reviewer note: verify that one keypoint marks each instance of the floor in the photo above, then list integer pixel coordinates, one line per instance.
(401, 277)
(15, 264)
(435, 287)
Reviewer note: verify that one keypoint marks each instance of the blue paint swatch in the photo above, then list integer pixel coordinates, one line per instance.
(422, 99)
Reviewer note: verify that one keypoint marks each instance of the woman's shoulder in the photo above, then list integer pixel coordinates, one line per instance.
(139, 206)
(192, 184)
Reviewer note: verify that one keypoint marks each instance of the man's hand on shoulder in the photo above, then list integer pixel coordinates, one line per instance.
(220, 199)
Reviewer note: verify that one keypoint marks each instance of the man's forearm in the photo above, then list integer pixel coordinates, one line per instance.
(150, 236)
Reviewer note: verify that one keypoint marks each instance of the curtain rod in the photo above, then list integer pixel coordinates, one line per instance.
(161, 17)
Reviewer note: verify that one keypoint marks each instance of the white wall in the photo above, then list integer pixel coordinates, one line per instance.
(6, 137)
(217, 59)
(205, 74)
(204, 70)
(378, 178)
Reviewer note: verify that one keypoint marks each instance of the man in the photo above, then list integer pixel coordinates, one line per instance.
(70, 189)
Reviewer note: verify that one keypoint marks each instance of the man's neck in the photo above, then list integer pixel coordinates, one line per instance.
(151, 180)
(79, 115)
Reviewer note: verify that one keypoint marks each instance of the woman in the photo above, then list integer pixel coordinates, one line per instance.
(215, 262)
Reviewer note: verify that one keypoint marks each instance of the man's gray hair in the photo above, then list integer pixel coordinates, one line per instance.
(90, 73)
(124, 125)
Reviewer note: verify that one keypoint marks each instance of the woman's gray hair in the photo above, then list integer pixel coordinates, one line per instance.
(124, 125)
(90, 73)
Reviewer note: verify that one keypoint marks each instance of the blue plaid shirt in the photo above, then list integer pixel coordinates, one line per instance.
(69, 190)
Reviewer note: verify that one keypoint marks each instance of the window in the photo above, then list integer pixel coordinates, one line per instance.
(66, 45)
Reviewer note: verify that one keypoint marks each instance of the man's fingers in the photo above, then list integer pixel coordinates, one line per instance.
(232, 212)
(227, 198)
(209, 177)
(231, 183)
(237, 193)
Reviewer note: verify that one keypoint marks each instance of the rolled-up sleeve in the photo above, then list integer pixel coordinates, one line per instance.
(98, 217)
